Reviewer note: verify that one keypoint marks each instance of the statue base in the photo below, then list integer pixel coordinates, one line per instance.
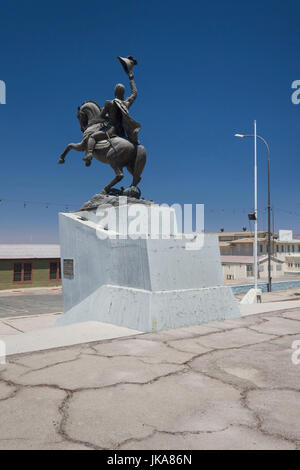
(132, 194)
(146, 284)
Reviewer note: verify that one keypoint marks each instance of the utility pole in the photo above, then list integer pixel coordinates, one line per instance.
(255, 264)
(255, 211)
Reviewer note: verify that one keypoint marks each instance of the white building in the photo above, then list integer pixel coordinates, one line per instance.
(237, 254)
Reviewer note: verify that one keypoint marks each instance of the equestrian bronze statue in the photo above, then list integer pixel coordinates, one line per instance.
(110, 135)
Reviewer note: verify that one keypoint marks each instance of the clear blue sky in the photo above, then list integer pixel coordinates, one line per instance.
(206, 70)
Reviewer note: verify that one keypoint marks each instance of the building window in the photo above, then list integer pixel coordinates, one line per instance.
(17, 272)
(22, 272)
(261, 268)
(249, 270)
(27, 272)
(261, 248)
(278, 267)
(54, 271)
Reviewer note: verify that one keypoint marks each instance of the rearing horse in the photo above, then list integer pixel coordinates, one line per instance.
(116, 152)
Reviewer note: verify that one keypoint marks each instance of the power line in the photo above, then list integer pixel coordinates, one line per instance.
(216, 211)
(25, 203)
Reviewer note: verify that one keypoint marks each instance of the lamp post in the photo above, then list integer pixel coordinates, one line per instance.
(255, 206)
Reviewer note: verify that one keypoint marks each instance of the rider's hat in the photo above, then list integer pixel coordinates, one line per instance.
(127, 63)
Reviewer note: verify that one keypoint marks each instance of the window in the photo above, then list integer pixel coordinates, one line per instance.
(261, 268)
(278, 267)
(249, 270)
(261, 248)
(22, 272)
(54, 271)
(27, 269)
(17, 272)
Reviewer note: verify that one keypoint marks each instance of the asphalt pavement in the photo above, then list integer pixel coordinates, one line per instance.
(14, 304)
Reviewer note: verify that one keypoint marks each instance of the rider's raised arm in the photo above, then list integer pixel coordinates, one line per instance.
(133, 95)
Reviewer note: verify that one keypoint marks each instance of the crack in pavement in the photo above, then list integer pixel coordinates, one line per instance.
(259, 419)
(48, 366)
(171, 433)
(103, 387)
(11, 326)
(184, 367)
(63, 410)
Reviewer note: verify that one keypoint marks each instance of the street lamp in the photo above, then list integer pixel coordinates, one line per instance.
(255, 208)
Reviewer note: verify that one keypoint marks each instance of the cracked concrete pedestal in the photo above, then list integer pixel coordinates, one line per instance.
(144, 283)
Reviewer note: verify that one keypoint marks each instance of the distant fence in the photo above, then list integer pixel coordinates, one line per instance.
(281, 285)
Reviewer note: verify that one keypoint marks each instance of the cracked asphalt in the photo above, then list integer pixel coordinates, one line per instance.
(220, 385)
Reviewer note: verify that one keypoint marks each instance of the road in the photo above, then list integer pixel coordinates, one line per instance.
(17, 304)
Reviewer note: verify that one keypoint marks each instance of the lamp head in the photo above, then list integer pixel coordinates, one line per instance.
(241, 136)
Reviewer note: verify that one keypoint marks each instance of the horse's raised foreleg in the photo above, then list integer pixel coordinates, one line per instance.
(119, 176)
(79, 147)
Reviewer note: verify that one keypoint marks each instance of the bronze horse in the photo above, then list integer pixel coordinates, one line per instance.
(117, 152)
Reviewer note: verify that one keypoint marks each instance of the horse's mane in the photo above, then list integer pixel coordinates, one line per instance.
(91, 101)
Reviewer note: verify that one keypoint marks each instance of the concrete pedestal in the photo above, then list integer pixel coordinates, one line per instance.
(145, 284)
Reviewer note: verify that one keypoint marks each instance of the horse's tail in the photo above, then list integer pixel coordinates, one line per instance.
(139, 164)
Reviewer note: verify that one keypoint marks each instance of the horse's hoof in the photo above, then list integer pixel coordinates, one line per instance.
(88, 162)
(61, 161)
(87, 158)
(133, 191)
